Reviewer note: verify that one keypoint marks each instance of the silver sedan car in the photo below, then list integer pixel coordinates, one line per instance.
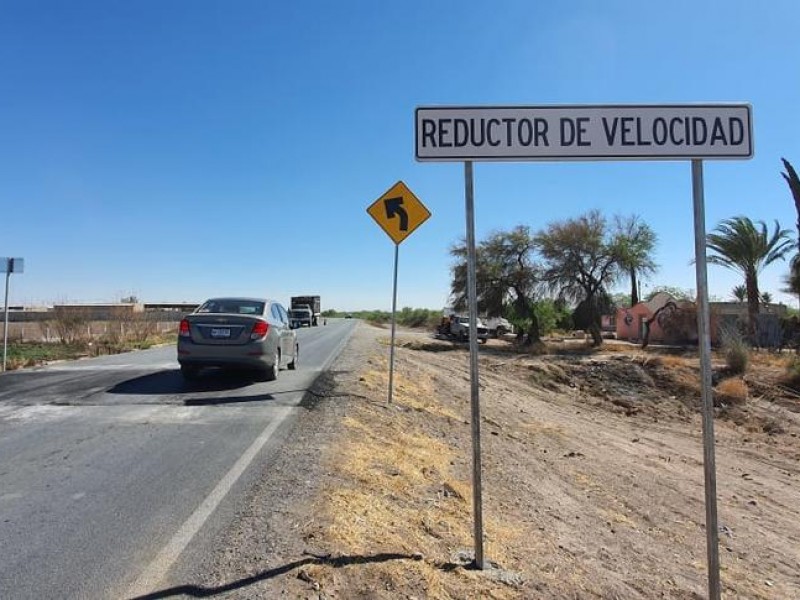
(248, 333)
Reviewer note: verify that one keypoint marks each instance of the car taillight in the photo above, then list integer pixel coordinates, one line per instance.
(184, 329)
(260, 330)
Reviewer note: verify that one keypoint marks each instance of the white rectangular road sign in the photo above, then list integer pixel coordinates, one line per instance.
(584, 132)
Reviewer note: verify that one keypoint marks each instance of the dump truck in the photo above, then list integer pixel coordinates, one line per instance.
(307, 309)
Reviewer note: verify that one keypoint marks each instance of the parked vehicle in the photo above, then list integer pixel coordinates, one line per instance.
(457, 328)
(498, 326)
(248, 333)
(312, 303)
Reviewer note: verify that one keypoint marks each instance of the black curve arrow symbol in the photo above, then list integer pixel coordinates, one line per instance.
(394, 206)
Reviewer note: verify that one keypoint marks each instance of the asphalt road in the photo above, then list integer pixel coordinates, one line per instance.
(113, 470)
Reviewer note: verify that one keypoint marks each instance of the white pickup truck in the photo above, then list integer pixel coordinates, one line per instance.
(498, 326)
(458, 328)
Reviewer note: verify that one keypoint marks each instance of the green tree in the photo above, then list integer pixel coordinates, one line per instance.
(635, 241)
(766, 297)
(505, 275)
(553, 314)
(739, 293)
(740, 245)
(620, 300)
(582, 261)
(675, 292)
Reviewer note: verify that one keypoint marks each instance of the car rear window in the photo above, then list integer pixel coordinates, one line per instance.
(230, 306)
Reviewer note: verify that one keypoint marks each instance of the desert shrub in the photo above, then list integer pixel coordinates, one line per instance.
(791, 377)
(418, 317)
(71, 324)
(140, 328)
(731, 391)
(736, 350)
(552, 315)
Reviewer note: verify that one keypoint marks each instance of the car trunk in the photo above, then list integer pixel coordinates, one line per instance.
(221, 329)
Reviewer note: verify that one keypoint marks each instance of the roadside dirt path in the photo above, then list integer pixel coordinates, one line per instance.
(592, 474)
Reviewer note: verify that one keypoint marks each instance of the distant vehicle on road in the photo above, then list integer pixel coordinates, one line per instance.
(312, 303)
(248, 333)
(301, 317)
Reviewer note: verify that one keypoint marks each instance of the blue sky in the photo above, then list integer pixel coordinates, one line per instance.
(180, 150)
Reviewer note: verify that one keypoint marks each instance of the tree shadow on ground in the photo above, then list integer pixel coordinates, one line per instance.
(196, 591)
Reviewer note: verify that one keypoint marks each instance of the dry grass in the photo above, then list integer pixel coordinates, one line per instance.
(670, 361)
(401, 494)
(732, 390)
(543, 428)
(402, 477)
(772, 359)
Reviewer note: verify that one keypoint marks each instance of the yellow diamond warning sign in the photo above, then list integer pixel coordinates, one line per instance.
(399, 212)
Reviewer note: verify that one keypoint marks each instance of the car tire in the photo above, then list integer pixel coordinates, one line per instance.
(271, 372)
(189, 373)
(293, 365)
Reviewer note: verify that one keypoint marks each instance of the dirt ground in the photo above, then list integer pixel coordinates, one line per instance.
(592, 480)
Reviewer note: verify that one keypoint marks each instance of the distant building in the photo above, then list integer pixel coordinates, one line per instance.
(680, 319)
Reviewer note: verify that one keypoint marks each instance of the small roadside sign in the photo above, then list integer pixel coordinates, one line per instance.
(12, 265)
(398, 212)
(8, 266)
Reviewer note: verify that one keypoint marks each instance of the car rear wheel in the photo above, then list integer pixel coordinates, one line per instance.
(271, 372)
(293, 365)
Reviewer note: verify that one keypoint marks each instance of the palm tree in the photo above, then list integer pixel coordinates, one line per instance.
(739, 293)
(635, 240)
(741, 246)
(794, 186)
(792, 280)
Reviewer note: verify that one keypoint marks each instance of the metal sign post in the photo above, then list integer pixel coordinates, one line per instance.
(10, 265)
(398, 212)
(394, 312)
(593, 132)
(472, 298)
(5, 321)
(704, 341)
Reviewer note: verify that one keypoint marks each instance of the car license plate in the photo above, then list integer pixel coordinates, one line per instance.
(220, 332)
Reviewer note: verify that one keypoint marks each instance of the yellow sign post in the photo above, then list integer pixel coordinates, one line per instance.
(398, 212)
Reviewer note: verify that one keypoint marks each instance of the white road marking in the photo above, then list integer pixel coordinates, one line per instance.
(158, 568)
(37, 412)
(146, 414)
